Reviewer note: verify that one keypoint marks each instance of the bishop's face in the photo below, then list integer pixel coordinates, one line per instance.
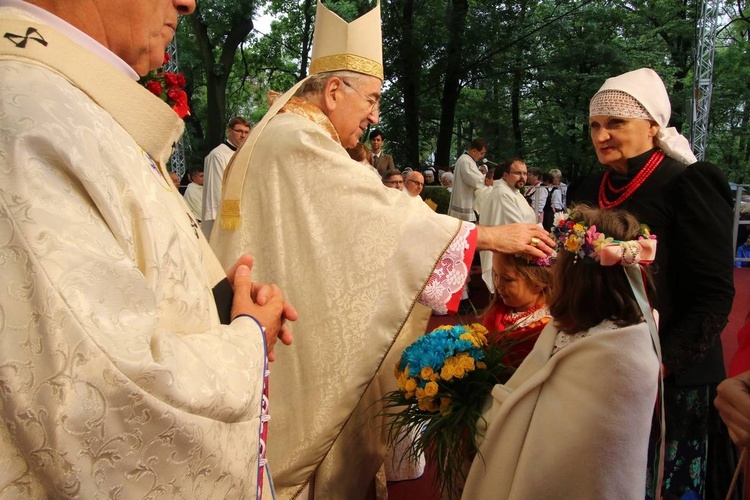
(356, 107)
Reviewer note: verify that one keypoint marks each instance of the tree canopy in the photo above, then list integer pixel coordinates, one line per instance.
(518, 73)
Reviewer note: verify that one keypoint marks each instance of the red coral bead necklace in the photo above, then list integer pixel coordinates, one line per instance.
(626, 191)
(510, 318)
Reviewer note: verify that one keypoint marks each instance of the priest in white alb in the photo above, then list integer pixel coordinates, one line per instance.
(502, 203)
(355, 257)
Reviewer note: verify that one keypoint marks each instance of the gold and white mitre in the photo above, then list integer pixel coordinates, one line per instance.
(337, 46)
(342, 46)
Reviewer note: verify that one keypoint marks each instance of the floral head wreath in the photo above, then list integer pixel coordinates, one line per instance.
(589, 244)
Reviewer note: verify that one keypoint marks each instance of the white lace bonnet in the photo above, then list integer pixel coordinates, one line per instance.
(641, 94)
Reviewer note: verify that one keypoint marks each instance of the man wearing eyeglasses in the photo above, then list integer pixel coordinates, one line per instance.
(393, 179)
(503, 203)
(213, 168)
(413, 183)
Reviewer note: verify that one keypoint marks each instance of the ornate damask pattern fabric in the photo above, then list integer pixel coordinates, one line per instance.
(116, 378)
(353, 257)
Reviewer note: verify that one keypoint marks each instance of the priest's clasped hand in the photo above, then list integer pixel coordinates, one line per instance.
(263, 301)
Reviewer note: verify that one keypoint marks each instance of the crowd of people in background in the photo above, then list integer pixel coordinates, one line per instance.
(544, 190)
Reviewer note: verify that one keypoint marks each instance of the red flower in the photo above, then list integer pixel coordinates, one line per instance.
(154, 87)
(171, 79)
(168, 87)
(166, 58)
(180, 106)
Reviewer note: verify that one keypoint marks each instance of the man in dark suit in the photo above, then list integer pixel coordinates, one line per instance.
(381, 161)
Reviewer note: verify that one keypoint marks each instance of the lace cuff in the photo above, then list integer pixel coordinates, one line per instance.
(443, 290)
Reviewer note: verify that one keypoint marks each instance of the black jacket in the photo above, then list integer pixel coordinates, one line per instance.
(690, 210)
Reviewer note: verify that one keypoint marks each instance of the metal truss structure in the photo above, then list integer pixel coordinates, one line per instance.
(703, 83)
(177, 161)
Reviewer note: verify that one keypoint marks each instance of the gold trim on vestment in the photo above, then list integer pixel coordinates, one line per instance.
(230, 214)
(347, 62)
(313, 113)
(230, 208)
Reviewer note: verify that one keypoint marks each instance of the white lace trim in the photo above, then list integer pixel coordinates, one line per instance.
(450, 273)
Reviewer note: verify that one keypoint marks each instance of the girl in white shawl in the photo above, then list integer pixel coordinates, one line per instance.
(574, 420)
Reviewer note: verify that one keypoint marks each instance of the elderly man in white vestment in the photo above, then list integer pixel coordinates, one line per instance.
(355, 257)
(503, 203)
(117, 378)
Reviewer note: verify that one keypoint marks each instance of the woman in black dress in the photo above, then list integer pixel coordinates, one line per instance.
(650, 171)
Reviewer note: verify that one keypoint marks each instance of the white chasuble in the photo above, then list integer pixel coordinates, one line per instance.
(353, 256)
(117, 379)
(499, 205)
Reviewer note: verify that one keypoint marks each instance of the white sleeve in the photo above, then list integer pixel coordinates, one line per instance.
(194, 199)
(449, 275)
(213, 167)
(472, 176)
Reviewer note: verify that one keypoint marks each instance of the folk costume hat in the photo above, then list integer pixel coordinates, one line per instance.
(337, 46)
(641, 94)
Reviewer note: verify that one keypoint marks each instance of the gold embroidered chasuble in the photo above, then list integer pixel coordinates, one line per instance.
(353, 257)
(116, 378)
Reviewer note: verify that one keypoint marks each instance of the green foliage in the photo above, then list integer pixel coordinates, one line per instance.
(526, 72)
(729, 144)
(439, 195)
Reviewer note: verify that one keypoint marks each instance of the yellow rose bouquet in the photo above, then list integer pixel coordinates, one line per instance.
(443, 379)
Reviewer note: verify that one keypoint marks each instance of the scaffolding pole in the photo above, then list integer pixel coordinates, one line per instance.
(703, 83)
(177, 161)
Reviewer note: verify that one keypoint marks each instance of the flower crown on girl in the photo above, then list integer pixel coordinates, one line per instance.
(589, 244)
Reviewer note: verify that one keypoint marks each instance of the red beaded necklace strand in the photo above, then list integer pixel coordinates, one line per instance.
(510, 318)
(626, 191)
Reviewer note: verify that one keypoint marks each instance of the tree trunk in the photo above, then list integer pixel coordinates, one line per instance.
(515, 108)
(409, 64)
(217, 72)
(451, 89)
(307, 11)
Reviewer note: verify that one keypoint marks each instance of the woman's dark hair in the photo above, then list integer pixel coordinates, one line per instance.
(586, 293)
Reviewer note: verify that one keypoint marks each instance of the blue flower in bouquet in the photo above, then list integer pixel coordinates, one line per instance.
(448, 352)
(443, 379)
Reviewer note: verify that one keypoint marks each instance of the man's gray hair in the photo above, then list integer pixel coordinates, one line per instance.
(314, 85)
